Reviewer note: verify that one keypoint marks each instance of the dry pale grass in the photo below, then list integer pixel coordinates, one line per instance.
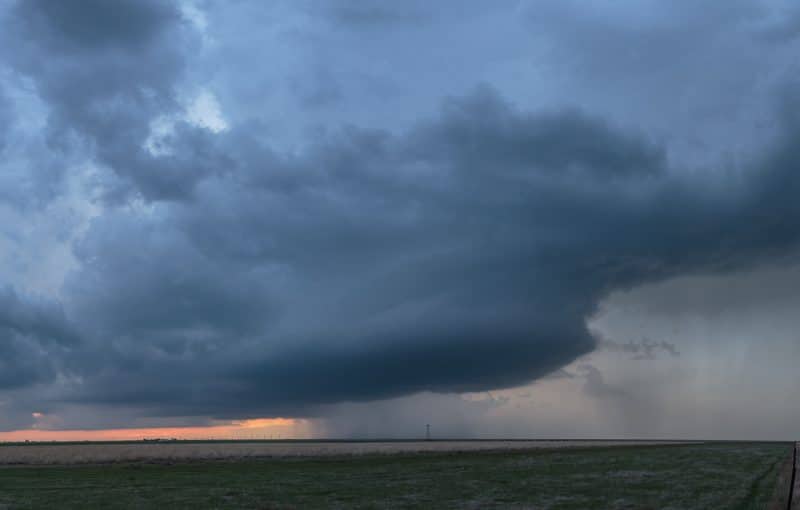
(96, 453)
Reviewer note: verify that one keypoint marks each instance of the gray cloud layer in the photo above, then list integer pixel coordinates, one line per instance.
(228, 277)
(6, 118)
(34, 338)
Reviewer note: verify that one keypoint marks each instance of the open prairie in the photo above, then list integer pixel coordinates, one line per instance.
(585, 475)
(81, 453)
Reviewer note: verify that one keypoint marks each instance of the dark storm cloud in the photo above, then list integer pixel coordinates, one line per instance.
(94, 25)
(462, 254)
(34, 336)
(106, 69)
(484, 131)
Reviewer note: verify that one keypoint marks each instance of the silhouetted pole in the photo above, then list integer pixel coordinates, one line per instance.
(428, 432)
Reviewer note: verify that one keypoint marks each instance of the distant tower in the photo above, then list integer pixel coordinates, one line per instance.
(428, 432)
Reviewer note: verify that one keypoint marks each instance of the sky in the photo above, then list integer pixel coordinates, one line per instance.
(527, 218)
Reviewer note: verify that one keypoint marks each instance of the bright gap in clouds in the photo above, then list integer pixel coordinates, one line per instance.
(204, 111)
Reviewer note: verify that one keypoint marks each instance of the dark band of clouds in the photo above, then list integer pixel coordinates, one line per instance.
(230, 278)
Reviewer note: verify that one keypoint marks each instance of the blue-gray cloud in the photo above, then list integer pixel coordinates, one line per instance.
(6, 118)
(35, 338)
(105, 71)
(230, 276)
(463, 255)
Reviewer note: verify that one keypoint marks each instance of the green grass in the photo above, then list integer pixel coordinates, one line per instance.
(718, 475)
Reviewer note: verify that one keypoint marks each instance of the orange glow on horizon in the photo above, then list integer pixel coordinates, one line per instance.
(258, 428)
(266, 422)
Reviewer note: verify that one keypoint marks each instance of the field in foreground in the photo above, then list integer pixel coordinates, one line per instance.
(701, 476)
(81, 453)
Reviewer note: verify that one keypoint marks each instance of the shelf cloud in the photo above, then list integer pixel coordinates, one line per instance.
(242, 272)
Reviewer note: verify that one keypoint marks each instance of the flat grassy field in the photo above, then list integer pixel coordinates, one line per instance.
(696, 476)
(176, 451)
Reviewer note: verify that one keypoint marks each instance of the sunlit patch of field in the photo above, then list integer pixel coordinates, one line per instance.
(689, 476)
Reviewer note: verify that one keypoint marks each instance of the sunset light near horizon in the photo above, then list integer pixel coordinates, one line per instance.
(254, 429)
